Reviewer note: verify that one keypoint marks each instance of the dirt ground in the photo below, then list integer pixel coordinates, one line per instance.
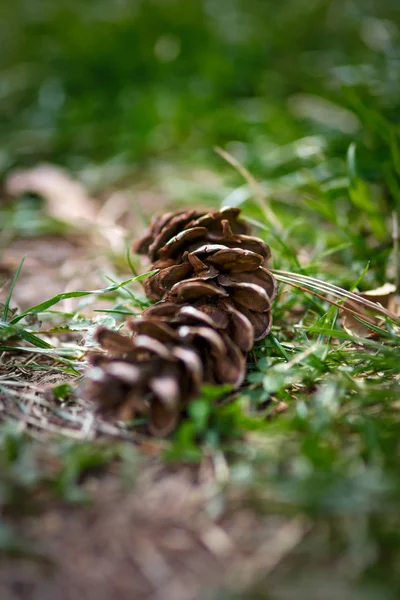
(167, 538)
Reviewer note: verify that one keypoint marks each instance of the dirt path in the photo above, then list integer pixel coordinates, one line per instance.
(162, 539)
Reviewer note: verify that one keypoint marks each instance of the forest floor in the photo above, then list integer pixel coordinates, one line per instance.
(288, 487)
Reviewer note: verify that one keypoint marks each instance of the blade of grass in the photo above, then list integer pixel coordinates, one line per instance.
(279, 347)
(13, 282)
(27, 336)
(78, 294)
(130, 263)
(254, 186)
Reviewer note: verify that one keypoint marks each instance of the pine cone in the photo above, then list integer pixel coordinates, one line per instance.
(214, 299)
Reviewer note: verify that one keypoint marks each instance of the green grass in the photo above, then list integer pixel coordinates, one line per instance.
(312, 123)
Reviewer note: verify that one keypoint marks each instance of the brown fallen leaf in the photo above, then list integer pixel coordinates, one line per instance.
(384, 296)
(66, 198)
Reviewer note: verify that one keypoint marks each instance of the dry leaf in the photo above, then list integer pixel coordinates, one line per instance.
(384, 296)
(66, 198)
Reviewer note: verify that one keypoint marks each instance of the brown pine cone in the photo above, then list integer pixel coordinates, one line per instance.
(214, 298)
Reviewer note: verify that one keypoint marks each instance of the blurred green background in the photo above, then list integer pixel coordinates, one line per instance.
(87, 82)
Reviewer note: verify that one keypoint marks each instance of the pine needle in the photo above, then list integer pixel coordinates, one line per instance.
(310, 284)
